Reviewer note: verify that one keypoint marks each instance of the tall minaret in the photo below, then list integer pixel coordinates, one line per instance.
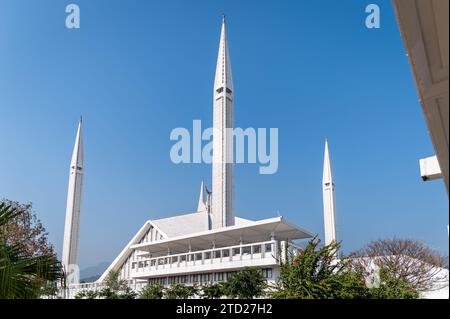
(72, 227)
(329, 209)
(222, 175)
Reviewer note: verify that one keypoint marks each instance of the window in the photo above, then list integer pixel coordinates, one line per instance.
(236, 251)
(217, 254)
(133, 265)
(219, 90)
(257, 249)
(174, 260)
(183, 257)
(152, 262)
(246, 250)
(207, 255)
(229, 91)
(268, 248)
(219, 276)
(267, 273)
(198, 256)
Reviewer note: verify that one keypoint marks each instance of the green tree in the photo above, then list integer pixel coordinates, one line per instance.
(87, 294)
(50, 290)
(22, 275)
(391, 287)
(212, 291)
(114, 286)
(152, 292)
(179, 291)
(315, 273)
(245, 284)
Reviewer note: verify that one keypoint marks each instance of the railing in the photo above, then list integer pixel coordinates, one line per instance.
(209, 259)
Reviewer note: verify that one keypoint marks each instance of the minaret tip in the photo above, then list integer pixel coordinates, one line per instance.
(223, 19)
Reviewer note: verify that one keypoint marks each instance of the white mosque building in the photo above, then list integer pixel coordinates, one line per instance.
(207, 245)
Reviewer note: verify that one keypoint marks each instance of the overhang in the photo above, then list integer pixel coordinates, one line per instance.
(258, 231)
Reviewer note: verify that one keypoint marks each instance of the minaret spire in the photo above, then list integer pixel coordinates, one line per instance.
(222, 179)
(73, 209)
(329, 209)
(201, 201)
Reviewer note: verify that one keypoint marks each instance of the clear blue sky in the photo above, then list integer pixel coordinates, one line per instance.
(138, 69)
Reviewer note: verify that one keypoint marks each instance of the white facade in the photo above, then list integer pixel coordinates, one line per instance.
(329, 208)
(73, 210)
(211, 244)
(222, 174)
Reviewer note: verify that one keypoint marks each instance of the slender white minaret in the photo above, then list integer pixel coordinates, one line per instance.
(222, 175)
(329, 209)
(72, 226)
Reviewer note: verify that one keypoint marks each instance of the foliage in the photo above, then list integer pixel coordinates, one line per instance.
(87, 294)
(27, 230)
(405, 259)
(152, 292)
(114, 283)
(50, 290)
(315, 273)
(22, 275)
(212, 291)
(128, 293)
(393, 288)
(245, 284)
(181, 291)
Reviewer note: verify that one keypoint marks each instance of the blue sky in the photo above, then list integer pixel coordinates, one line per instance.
(138, 69)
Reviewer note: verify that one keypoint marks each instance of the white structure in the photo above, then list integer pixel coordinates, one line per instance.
(73, 210)
(208, 245)
(430, 169)
(329, 208)
(222, 175)
(424, 26)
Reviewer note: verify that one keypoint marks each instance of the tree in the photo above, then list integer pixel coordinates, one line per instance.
(27, 230)
(87, 294)
(245, 284)
(213, 291)
(50, 290)
(404, 259)
(152, 292)
(114, 286)
(23, 275)
(315, 273)
(393, 288)
(179, 291)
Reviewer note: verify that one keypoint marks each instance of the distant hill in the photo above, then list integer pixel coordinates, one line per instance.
(90, 274)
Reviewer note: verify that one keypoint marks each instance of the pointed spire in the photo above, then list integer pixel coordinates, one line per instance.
(201, 201)
(329, 209)
(77, 154)
(73, 209)
(327, 174)
(223, 69)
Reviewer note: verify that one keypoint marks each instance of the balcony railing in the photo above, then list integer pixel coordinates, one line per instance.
(255, 254)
